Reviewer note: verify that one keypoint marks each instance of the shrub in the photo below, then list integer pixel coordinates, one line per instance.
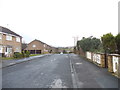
(27, 54)
(117, 40)
(17, 55)
(108, 41)
(21, 55)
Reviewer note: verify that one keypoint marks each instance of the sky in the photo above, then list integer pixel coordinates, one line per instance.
(57, 22)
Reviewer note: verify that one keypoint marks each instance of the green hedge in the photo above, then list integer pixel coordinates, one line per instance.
(21, 55)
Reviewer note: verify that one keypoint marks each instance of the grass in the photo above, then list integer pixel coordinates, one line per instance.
(12, 58)
(34, 55)
(7, 58)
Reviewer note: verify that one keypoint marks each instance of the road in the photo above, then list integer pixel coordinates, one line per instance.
(57, 71)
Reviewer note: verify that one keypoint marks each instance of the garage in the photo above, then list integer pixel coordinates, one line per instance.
(35, 51)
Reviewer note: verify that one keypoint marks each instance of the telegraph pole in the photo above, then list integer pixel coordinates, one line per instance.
(75, 40)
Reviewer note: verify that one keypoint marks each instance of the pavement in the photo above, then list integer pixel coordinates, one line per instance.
(57, 71)
(6, 63)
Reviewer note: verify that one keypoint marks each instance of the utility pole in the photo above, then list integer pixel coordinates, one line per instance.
(75, 40)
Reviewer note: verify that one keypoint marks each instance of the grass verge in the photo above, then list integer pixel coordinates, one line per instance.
(34, 55)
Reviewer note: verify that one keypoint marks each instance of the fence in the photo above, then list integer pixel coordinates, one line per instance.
(96, 58)
(112, 62)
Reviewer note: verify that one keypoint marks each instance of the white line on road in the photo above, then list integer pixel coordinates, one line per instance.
(57, 83)
(78, 63)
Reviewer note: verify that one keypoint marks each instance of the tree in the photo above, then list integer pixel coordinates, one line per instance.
(117, 40)
(108, 41)
(89, 44)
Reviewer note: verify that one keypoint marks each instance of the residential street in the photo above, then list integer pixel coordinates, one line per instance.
(57, 71)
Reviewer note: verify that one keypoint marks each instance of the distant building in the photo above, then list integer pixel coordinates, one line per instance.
(65, 49)
(38, 47)
(10, 42)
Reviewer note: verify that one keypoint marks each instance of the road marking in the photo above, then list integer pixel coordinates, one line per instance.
(57, 83)
(78, 63)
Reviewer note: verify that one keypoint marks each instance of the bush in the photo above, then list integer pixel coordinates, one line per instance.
(21, 55)
(17, 55)
(108, 41)
(117, 40)
(27, 54)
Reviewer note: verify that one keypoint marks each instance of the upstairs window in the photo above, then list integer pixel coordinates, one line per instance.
(44, 45)
(17, 39)
(9, 37)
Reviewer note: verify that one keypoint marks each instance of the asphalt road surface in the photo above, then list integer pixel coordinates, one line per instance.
(57, 71)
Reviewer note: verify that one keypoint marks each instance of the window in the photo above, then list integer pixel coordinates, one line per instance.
(8, 37)
(17, 49)
(44, 45)
(17, 39)
(34, 45)
(0, 36)
(9, 50)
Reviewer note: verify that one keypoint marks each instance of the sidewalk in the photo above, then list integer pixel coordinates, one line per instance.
(6, 63)
(89, 75)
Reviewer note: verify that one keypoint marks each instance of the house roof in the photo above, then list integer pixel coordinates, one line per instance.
(6, 30)
(40, 42)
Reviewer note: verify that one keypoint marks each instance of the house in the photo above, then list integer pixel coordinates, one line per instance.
(38, 47)
(10, 42)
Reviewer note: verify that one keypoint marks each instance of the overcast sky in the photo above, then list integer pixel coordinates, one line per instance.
(56, 22)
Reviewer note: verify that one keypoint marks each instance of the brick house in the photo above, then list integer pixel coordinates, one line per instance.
(38, 47)
(10, 42)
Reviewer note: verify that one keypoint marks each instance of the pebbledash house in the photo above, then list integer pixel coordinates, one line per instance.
(10, 42)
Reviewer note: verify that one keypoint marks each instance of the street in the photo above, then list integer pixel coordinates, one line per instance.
(57, 71)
